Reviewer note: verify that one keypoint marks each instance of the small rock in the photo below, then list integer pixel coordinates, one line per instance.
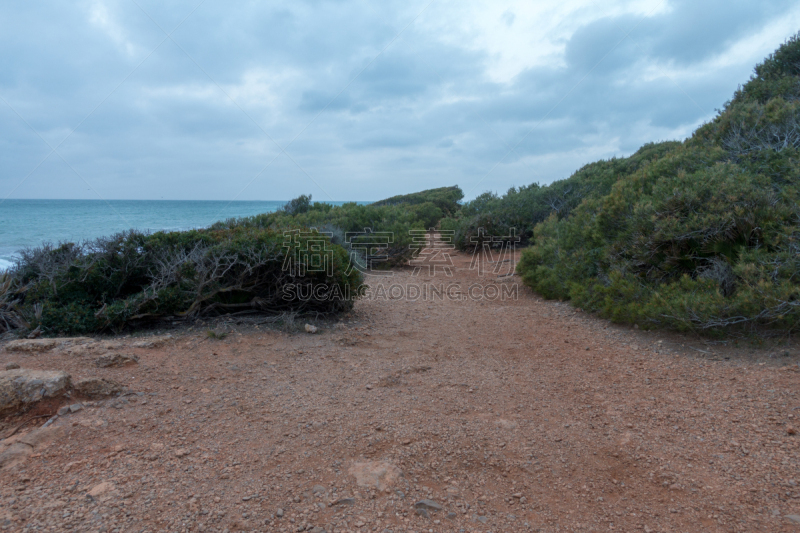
(793, 517)
(406, 442)
(422, 512)
(75, 407)
(100, 488)
(96, 387)
(344, 501)
(517, 495)
(428, 504)
(116, 359)
(182, 452)
(12, 366)
(791, 430)
(375, 474)
(310, 328)
(318, 489)
(369, 387)
(152, 342)
(482, 519)
(63, 410)
(279, 513)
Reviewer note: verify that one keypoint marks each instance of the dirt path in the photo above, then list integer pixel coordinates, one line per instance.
(510, 414)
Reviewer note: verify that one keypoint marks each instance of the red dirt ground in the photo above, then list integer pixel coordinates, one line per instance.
(513, 415)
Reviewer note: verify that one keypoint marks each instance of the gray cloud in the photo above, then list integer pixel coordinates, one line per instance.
(362, 123)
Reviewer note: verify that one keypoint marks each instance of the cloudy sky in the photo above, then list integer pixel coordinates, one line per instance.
(355, 100)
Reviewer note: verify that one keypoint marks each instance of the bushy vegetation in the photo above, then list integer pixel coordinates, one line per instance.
(132, 278)
(524, 207)
(702, 235)
(352, 224)
(240, 266)
(444, 198)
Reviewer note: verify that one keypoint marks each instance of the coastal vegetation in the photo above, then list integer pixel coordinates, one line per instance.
(701, 235)
(387, 223)
(256, 265)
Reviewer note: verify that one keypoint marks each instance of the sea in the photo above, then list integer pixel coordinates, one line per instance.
(27, 223)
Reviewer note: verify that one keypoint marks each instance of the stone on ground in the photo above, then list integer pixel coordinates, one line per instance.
(96, 387)
(115, 359)
(21, 387)
(375, 474)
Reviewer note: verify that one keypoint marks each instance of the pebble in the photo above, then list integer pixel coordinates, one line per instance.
(279, 513)
(12, 366)
(428, 504)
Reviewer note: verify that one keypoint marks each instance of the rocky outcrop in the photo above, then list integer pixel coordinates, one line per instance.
(45, 345)
(22, 387)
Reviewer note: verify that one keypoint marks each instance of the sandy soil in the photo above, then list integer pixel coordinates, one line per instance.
(511, 414)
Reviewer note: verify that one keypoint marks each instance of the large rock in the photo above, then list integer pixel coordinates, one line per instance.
(22, 387)
(93, 348)
(96, 387)
(31, 345)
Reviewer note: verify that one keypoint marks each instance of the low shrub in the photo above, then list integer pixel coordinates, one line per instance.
(132, 278)
(353, 225)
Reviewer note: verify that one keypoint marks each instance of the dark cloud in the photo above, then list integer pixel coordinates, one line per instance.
(366, 116)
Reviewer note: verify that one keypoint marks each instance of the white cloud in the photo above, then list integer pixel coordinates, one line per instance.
(517, 35)
(101, 17)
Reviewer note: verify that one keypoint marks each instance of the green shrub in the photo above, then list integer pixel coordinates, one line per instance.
(522, 208)
(132, 278)
(444, 198)
(397, 216)
(702, 235)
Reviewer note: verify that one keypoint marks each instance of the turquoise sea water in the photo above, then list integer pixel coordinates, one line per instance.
(30, 222)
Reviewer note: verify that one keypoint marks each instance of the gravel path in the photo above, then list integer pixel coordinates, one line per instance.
(506, 414)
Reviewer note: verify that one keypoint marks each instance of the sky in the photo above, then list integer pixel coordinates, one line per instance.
(356, 100)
